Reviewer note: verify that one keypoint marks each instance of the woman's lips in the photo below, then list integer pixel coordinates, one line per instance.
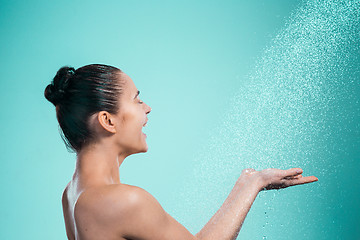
(145, 123)
(144, 126)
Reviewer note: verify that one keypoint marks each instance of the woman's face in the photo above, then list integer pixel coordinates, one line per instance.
(131, 118)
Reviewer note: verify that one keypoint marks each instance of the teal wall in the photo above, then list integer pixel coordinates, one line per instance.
(232, 84)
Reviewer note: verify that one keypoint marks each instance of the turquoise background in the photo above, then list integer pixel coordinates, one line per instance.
(200, 65)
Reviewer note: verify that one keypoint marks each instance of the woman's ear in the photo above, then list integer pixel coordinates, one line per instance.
(106, 120)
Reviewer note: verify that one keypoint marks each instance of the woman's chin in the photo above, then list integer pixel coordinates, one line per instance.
(146, 147)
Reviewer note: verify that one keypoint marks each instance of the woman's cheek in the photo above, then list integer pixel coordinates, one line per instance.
(132, 122)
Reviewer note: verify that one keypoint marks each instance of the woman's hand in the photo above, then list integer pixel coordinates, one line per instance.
(227, 221)
(272, 178)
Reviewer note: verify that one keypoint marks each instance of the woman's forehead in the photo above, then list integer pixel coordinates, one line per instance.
(129, 87)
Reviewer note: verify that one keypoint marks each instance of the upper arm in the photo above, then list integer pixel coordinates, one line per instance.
(139, 215)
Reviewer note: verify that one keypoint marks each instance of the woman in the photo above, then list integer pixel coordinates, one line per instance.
(101, 117)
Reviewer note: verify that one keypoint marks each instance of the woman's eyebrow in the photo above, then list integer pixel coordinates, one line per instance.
(137, 94)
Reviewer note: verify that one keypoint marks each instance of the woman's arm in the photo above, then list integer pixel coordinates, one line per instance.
(135, 214)
(227, 221)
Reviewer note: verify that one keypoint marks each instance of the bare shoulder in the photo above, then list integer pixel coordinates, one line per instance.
(111, 200)
(129, 211)
(115, 205)
(113, 197)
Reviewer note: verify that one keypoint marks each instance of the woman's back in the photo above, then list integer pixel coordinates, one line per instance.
(68, 204)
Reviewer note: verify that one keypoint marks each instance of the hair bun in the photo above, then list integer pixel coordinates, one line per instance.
(55, 91)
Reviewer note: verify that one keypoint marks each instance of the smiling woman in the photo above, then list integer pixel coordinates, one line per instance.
(101, 117)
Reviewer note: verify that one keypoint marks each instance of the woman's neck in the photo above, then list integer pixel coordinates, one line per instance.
(99, 164)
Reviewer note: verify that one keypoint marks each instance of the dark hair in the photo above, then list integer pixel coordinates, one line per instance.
(78, 94)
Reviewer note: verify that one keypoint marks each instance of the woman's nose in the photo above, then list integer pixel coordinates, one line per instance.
(147, 108)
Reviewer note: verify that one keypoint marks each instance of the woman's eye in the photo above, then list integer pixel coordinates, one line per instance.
(141, 102)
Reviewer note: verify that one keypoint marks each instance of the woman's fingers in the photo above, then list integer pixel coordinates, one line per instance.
(276, 178)
(301, 180)
(291, 172)
(294, 177)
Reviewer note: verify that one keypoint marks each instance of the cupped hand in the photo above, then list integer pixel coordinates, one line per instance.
(276, 178)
